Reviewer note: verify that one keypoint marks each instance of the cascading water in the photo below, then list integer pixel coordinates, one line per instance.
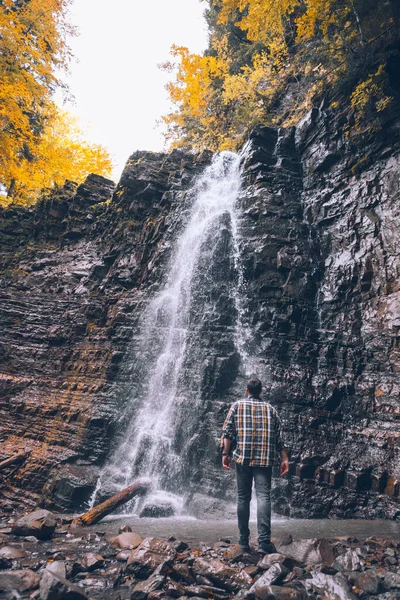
(169, 326)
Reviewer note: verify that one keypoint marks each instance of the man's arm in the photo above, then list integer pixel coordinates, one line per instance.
(226, 459)
(280, 446)
(228, 433)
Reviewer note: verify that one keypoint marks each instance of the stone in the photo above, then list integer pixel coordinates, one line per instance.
(274, 592)
(11, 552)
(269, 559)
(19, 580)
(57, 567)
(391, 581)
(40, 523)
(143, 588)
(329, 586)
(312, 551)
(126, 541)
(151, 553)
(124, 528)
(161, 509)
(123, 555)
(182, 571)
(91, 561)
(349, 561)
(369, 582)
(56, 587)
(274, 574)
(222, 575)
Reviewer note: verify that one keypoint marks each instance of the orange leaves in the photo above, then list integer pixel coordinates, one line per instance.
(38, 147)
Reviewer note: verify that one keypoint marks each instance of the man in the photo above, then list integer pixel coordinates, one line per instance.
(257, 430)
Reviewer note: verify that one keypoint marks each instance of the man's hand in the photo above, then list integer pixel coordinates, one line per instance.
(284, 467)
(226, 462)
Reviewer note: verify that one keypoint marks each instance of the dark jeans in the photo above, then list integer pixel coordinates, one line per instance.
(262, 481)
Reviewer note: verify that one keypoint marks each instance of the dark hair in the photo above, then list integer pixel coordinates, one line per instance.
(254, 386)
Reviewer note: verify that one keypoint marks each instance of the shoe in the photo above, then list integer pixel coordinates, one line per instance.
(267, 548)
(246, 549)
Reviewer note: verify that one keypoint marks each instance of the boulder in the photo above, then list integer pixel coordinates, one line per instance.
(151, 553)
(40, 523)
(312, 551)
(91, 561)
(274, 574)
(270, 559)
(143, 588)
(126, 541)
(55, 587)
(222, 575)
(157, 510)
(11, 552)
(329, 586)
(369, 582)
(20, 580)
(349, 561)
(274, 592)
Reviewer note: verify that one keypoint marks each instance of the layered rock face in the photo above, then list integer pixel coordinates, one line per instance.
(318, 251)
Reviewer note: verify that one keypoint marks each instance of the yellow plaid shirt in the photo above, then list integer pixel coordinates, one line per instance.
(255, 430)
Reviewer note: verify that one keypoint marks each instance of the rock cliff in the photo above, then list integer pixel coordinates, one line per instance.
(319, 246)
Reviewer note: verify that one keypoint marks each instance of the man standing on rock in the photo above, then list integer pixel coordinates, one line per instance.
(257, 430)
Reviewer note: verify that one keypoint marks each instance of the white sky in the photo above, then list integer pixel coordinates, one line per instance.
(118, 87)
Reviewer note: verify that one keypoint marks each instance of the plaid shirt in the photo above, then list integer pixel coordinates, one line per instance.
(257, 430)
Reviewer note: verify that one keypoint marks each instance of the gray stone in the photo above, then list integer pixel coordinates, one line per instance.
(312, 551)
(56, 587)
(40, 523)
(222, 575)
(329, 586)
(349, 561)
(274, 574)
(11, 552)
(19, 580)
(151, 553)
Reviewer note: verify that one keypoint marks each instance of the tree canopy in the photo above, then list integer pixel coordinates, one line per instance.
(269, 60)
(39, 144)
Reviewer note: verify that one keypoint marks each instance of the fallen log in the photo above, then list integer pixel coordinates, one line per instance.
(17, 458)
(95, 514)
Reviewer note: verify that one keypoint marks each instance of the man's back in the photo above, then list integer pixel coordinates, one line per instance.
(257, 430)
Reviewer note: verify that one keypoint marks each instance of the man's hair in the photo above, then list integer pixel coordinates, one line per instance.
(254, 386)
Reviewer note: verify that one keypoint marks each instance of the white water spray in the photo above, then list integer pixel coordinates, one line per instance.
(148, 449)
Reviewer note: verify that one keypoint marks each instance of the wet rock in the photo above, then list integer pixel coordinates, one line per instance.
(311, 551)
(274, 592)
(222, 575)
(124, 528)
(41, 524)
(204, 507)
(182, 572)
(91, 561)
(269, 559)
(369, 582)
(55, 587)
(19, 580)
(123, 555)
(349, 561)
(392, 581)
(274, 574)
(11, 552)
(151, 553)
(126, 541)
(329, 586)
(157, 510)
(143, 588)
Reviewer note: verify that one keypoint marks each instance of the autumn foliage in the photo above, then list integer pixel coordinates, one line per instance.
(39, 145)
(268, 61)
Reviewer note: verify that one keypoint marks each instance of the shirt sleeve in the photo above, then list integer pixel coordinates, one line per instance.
(279, 442)
(229, 427)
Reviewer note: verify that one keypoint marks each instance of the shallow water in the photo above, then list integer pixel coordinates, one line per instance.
(194, 531)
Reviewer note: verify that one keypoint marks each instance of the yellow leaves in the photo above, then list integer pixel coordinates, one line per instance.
(38, 146)
(262, 20)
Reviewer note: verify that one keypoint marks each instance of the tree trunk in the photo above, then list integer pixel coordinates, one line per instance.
(17, 458)
(94, 515)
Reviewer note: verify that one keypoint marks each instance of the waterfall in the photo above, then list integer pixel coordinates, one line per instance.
(169, 327)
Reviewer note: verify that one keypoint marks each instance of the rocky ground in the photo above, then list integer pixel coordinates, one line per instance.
(42, 556)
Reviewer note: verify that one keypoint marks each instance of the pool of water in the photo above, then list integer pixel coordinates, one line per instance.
(194, 531)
